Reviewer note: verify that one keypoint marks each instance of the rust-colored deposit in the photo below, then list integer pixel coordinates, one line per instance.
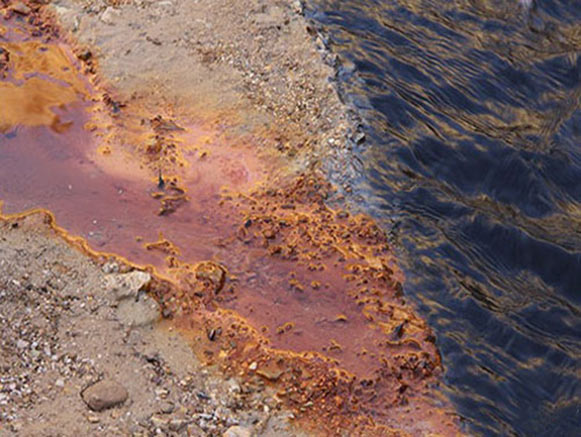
(252, 265)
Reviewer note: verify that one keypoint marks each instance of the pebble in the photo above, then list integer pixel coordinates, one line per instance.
(359, 138)
(238, 431)
(21, 8)
(93, 419)
(126, 285)
(109, 15)
(104, 394)
(298, 7)
(158, 422)
(166, 407)
(177, 425)
(109, 267)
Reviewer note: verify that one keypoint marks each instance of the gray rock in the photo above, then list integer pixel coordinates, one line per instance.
(109, 15)
(104, 394)
(126, 285)
(144, 312)
(166, 408)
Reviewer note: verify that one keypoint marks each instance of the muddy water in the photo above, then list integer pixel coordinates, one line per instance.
(57, 153)
(472, 160)
(171, 192)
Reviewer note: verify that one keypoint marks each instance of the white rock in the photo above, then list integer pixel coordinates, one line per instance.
(238, 431)
(109, 15)
(126, 285)
(21, 344)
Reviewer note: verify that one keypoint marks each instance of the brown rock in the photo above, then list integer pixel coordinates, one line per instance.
(104, 394)
(212, 272)
(21, 8)
(270, 371)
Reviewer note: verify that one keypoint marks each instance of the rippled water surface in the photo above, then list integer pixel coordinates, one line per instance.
(472, 159)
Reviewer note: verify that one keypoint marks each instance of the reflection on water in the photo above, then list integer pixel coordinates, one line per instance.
(473, 160)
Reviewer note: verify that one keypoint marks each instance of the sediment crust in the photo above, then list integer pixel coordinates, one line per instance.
(300, 306)
(70, 320)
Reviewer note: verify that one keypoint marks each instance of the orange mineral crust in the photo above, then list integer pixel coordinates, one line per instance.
(250, 263)
(116, 179)
(310, 299)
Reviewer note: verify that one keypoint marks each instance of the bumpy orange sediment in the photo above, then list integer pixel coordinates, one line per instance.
(270, 282)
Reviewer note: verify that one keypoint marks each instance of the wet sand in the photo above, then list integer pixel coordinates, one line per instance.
(186, 142)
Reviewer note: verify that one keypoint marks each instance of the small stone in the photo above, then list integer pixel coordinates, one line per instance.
(59, 383)
(194, 430)
(126, 285)
(93, 419)
(104, 394)
(158, 422)
(270, 371)
(109, 15)
(109, 267)
(298, 7)
(238, 431)
(166, 407)
(177, 425)
(161, 392)
(253, 366)
(21, 8)
(21, 344)
(359, 138)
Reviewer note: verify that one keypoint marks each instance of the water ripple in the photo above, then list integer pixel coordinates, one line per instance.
(472, 113)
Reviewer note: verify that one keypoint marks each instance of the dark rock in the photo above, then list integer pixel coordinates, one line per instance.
(85, 55)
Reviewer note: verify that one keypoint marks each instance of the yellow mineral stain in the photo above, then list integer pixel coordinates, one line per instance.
(38, 79)
(33, 103)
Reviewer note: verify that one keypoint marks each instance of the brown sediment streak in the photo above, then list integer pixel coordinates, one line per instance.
(265, 278)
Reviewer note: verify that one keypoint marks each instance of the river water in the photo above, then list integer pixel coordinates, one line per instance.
(472, 161)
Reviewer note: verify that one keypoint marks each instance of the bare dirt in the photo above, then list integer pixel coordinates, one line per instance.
(211, 284)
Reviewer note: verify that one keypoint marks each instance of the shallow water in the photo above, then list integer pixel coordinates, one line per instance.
(175, 192)
(472, 160)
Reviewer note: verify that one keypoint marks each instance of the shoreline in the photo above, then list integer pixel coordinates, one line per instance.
(200, 297)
